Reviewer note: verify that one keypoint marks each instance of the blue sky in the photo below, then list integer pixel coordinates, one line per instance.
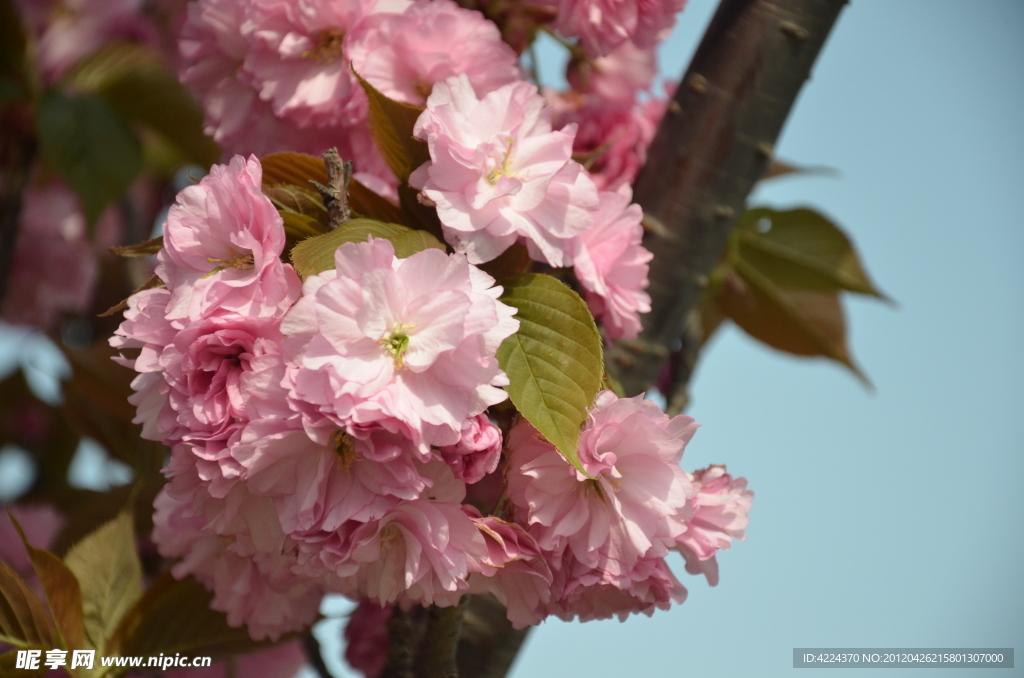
(890, 518)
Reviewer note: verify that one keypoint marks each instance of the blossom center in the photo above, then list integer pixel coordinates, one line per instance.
(328, 46)
(345, 448)
(388, 536)
(504, 168)
(397, 342)
(242, 262)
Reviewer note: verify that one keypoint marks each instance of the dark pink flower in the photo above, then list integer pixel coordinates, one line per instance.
(366, 638)
(222, 248)
(478, 451)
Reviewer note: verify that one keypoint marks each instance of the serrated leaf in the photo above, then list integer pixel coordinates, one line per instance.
(298, 169)
(554, 361)
(134, 81)
(801, 322)
(87, 143)
(316, 255)
(109, 572)
(391, 124)
(63, 594)
(801, 249)
(298, 199)
(299, 227)
(23, 619)
(175, 616)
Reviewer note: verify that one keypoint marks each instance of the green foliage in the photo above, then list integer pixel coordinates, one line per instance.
(87, 143)
(780, 282)
(316, 255)
(23, 619)
(554, 361)
(108, 569)
(391, 124)
(289, 198)
(801, 249)
(135, 82)
(63, 594)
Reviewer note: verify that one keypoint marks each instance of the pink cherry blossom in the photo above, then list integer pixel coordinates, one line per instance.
(404, 54)
(222, 245)
(54, 267)
(221, 373)
(499, 173)
(478, 451)
(615, 135)
(74, 29)
(297, 61)
(257, 590)
(603, 25)
(611, 265)
(720, 509)
(366, 638)
(636, 499)
(515, 571)
(420, 551)
(589, 593)
(406, 345)
(618, 76)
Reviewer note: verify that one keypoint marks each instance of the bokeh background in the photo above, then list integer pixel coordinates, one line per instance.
(884, 518)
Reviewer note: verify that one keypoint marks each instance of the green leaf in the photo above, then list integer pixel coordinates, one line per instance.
(9, 662)
(298, 169)
(109, 572)
(781, 168)
(299, 200)
(316, 255)
(175, 616)
(554, 362)
(391, 124)
(88, 144)
(23, 619)
(798, 321)
(134, 81)
(800, 249)
(63, 594)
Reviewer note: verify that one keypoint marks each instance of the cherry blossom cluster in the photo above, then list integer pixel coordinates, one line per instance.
(278, 75)
(333, 435)
(350, 431)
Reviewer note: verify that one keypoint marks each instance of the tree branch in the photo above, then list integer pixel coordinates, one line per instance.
(17, 151)
(436, 658)
(715, 142)
(489, 644)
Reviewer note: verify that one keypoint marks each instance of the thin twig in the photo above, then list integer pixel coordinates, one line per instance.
(335, 194)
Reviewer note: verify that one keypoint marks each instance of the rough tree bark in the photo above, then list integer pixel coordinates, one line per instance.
(713, 145)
